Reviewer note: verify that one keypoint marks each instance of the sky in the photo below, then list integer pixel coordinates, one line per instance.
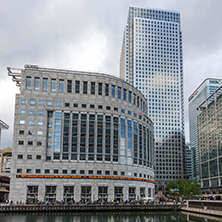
(86, 35)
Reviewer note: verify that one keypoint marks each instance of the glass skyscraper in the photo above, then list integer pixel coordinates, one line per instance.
(206, 88)
(152, 61)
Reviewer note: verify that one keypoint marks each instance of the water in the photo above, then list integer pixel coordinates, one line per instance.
(107, 217)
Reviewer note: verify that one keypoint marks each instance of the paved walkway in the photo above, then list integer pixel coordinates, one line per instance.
(202, 211)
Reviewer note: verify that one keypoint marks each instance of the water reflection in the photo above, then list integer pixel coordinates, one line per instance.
(107, 217)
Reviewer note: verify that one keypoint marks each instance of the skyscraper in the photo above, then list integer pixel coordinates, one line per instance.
(206, 88)
(151, 60)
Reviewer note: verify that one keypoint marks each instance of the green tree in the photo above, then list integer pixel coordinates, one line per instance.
(184, 188)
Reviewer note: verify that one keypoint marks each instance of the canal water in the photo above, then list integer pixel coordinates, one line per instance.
(107, 217)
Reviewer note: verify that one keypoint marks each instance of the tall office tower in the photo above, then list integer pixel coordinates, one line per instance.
(151, 60)
(206, 88)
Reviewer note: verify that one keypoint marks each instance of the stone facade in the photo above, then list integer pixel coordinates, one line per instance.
(80, 136)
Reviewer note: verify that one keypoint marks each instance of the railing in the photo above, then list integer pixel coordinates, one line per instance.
(88, 207)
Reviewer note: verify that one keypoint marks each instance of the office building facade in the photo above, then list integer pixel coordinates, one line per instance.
(152, 61)
(206, 88)
(210, 143)
(80, 136)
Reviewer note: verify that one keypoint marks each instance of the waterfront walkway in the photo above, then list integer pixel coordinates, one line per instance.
(88, 208)
(202, 211)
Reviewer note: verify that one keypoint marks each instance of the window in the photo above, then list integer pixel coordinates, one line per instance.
(100, 89)
(28, 170)
(77, 86)
(107, 172)
(75, 104)
(22, 122)
(73, 171)
(85, 87)
(37, 171)
(30, 132)
(82, 171)
(93, 86)
(83, 105)
(122, 110)
(40, 113)
(39, 133)
(108, 108)
(58, 104)
(122, 173)
(29, 157)
(53, 85)
(38, 157)
(50, 103)
(61, 85)
(69, 86)
(20, 156)
(23, 101)
(115, 109)
(21, 132)
(100, 106)
(56, 171)
(67, 104)
(32, 112)
(28, 82)
(129, 97)
(19, 170)
(32, 102)
(20, 142)
(106, 89)
(99, 172)
(115, 173)
(119, 92)
(124, 94)
(36, 83)
(113, 90)
(47, 171)
(45, 84)
(92, 106)
(90, 171)
(41, 103)
(40, 123)
(31, 122)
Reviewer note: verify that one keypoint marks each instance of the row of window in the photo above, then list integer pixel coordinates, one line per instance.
(90, 172)
(102, 89)
(91, 106)
(86, 193)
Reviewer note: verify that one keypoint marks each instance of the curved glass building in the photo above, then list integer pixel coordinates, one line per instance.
(79, 136)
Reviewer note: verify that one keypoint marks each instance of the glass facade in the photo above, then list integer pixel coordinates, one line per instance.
(209, 131)
(151, 60)
(207, 87)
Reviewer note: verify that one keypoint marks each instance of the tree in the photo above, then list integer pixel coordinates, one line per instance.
(184, 188)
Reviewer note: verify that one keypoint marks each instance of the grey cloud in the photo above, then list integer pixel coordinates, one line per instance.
(71, 34)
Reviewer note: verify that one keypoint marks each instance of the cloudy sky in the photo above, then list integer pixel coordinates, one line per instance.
(87, 35)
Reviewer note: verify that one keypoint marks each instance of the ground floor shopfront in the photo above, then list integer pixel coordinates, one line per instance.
(34, 190)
